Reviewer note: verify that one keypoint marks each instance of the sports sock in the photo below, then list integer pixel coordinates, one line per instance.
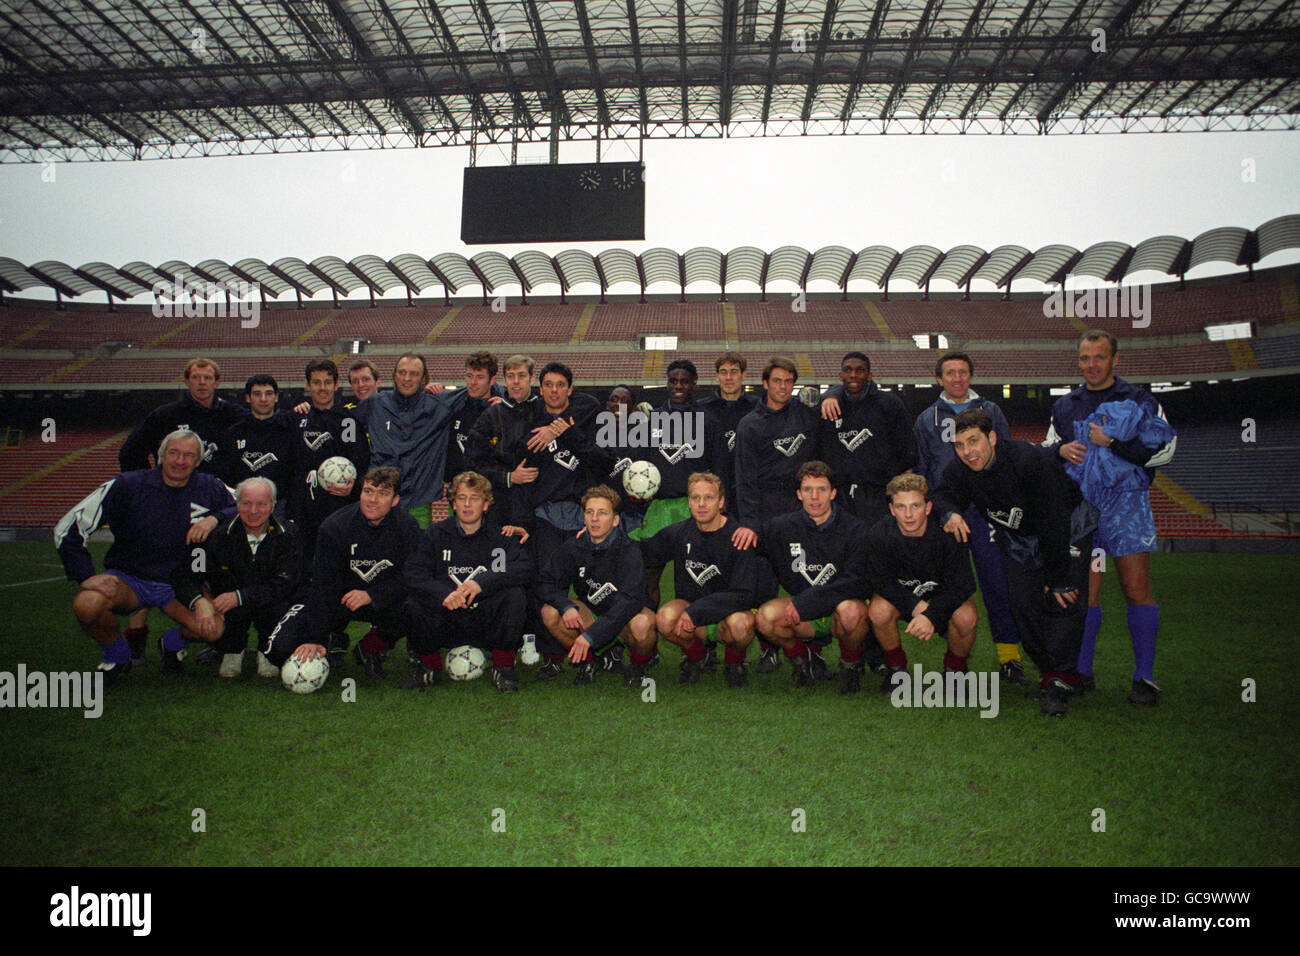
(503, 658)
(137, 638)
(432, 661)
(796, 650)
(637, 658)
(695, 650)
(850, 655)
(119, 652)
(553, 657)
(951, 662)
(371, 643)
(734, 654)
(897, 657)
(1143, 623)
(1091, 627)
(1008, 652)
(172, 640)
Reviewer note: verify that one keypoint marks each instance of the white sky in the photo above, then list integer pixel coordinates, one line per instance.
(854, 191)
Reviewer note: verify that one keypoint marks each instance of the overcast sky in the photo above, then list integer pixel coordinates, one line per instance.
(853, 191)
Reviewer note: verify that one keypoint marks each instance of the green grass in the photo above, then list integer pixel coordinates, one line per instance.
(703, 775)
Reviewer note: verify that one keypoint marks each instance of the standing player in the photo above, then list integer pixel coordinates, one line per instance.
(156, 515)
(921, 575)
(933, 430)
(466, 585)
(242, 575)
(713, 583)
(772, 443)
(604, 566)
(727, 408)
(866, 437)
(200, 411)
(1114, 452)
(364, 379)
(480, 389)
(262, 443)
(818, 558)
(1033, 507)
(323, 432)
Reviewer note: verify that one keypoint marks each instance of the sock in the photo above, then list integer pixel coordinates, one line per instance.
(138, 639)
(734, 654)
(1143, 623)
(371, 643)
(119, 652)
(850, 655)
(434, 661)
(1091, 627)
(796, 650)
(897, 657)
(1008, 652)
(637, 658)
(951, 662)
(503, 658)
(695, 650)
(553, 657)
(765, 645)
(172, 640)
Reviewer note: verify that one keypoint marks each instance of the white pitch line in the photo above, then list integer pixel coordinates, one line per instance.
(19, 584)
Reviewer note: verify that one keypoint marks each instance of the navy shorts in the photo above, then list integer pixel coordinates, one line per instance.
(150, 593)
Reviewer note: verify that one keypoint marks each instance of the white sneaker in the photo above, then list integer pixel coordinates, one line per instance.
(230, 665)
(265, 668)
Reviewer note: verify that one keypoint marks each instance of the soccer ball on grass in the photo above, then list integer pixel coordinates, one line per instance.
(465, 663)
(305, 678)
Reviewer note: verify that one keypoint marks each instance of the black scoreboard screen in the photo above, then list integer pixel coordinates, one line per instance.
(570, 202)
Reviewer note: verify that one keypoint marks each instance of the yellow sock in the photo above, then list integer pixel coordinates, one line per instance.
(1008, 652)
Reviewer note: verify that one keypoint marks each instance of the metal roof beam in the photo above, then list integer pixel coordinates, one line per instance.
(777, 26)
(819, 59)
(362, 54)
(878, 16)
(589, 44)
(922, 29)
(1113, 32)
(962, 48)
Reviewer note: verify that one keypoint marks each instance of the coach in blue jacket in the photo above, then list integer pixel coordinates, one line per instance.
(934, 437)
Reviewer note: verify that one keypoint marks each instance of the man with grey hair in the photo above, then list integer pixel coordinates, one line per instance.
(243, 574)
(157, 515)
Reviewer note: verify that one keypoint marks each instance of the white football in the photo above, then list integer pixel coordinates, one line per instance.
(305, 678)
(641, 480)
(465, 663)
(336, 471)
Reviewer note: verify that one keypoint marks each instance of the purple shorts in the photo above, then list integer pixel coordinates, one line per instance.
(150, 593)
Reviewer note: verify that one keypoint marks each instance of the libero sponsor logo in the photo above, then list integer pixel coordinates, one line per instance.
(76, 909)
(947, 689)
(76, 690)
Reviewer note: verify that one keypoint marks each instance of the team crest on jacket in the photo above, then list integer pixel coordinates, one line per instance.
(367, 569)
(852, 439)
(1008, 519)
(790, 445)
(918, 588)
(700, 572)
(675, 453)
(256, 461)
(815, 574)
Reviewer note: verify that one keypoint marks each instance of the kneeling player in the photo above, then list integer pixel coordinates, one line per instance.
(466, 584)
(606, 566)
(356, 575)
(919, 573)
(817, 555)
(713, 581)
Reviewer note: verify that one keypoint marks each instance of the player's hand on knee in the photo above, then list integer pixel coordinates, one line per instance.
(572, 620)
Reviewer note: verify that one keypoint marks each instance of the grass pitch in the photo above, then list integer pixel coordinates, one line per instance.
(558, 774)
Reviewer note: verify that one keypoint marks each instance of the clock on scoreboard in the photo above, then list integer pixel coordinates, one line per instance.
(564, 202)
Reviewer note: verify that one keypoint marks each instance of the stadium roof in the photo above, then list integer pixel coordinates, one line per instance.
(490, 271)
(86, 80)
